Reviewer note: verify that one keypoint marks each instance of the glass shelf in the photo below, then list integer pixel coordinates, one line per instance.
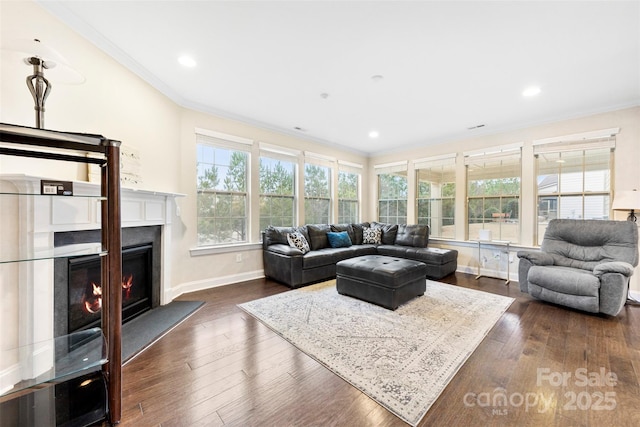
(70, 354)
(66, 251)
(88, 196)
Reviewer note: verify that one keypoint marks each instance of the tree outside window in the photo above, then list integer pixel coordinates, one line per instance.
(221, 195)
(277, 193)
(317, 194)
(348, 197)
(392, 198)
(493, 194)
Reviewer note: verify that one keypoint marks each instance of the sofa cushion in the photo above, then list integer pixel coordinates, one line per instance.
(297, 240)
(413, 235)
(564, 280)
(389, 232)
(339, 239)
(371, 235)
(325, 256)
(284, 249)
(357, 232)
(273, 235)
(344, 227)
(429, 256)
(318, 236)
(585, 243)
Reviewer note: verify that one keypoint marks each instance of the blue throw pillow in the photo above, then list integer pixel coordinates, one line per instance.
(339, 239)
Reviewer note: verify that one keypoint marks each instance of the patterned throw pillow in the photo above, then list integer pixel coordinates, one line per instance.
(297, 240)
(372, 236)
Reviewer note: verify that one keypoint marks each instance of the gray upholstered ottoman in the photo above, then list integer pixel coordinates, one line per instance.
(382, 280)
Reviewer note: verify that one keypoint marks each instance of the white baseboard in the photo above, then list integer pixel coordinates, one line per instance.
(9, 377)
(635, 295)
(200, 285)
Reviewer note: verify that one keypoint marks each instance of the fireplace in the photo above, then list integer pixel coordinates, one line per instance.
(85, 287)
(77, 283)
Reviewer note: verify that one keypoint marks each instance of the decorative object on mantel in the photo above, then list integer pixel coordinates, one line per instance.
(129, 167)
(627, 200)
(402, 359)
(42, 57)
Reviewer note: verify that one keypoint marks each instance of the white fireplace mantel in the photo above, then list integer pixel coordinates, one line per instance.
(33, 220)
(40, 217)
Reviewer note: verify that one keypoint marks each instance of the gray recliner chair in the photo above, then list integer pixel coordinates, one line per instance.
(583, 264)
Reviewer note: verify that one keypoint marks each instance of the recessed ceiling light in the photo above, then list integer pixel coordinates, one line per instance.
(377, 78)
(324, 95)
(187, 61)
(531, 91)
(374, 134)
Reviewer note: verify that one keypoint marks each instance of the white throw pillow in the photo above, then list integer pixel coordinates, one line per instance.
(297, 240)
(371, 235)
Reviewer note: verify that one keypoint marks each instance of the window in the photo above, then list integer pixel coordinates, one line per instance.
(573, 181)
(436, 196)
(277, 192)
(392, 192)
(222, 197)
(317, 194)
(493, 194)
(348, 191)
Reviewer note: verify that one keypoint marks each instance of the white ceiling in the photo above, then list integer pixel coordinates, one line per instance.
(447, 65)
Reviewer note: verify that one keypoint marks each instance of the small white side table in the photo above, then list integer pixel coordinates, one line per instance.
(492, 259)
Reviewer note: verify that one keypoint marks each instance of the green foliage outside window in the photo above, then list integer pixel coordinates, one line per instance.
(493, 191)
(317, 194)
(222, 195)
(392, 198)
(347, 197)
(277, 193)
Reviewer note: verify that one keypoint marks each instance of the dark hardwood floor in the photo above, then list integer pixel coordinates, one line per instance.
(541, 365)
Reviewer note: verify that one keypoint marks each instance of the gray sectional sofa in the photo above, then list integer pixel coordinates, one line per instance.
(289, 265)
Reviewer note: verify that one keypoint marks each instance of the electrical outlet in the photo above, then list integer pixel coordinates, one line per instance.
(238, 257)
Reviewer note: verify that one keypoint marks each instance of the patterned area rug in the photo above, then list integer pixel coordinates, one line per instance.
(402, 359)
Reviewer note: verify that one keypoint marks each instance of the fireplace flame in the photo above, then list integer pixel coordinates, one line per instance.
(127, 282)
(93, 304)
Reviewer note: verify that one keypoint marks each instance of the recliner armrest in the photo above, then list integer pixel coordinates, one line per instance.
(621, 267)
(536, 257)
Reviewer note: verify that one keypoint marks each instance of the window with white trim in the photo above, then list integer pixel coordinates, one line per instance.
(573, 180)
(317, 190)
(348, 192)
(277, 192)
(222, 192)
(392, 193)
(493, 193)
(436, 195)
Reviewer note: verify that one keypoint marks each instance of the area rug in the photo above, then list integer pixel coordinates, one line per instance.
(402, 359)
